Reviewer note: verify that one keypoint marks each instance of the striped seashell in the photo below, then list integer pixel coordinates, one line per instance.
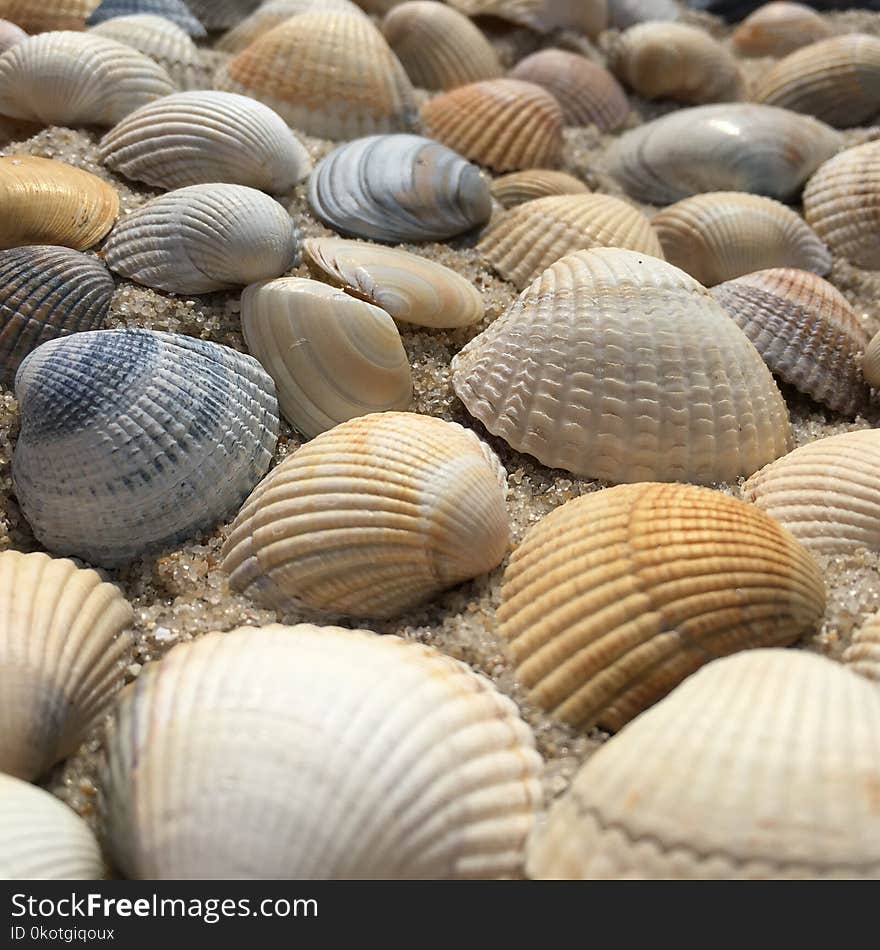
(871, 362)
(519, 187)
(543, 16)
(133, 440)
(618, 366)
(779, 28)
(272, 13)
(523, 243)
(10, 35)
(62, 658)
(174, 11)
(221, 14)
(625, 13)
(40, 16)
(399, 188)
(863, 654)
(371, 519)
(204, 238)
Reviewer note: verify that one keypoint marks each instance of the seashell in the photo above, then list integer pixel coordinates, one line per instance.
(10, 35)
(871, 362)
(624, 13)
(422, 770)
(132, 440)
(47, 202)
(615, 365)
(760, 766)
(412, 289)
(523, 243)
(805, 331)
(587, 93)
(724, 234)
(826, 493)
(222, 14)
(203, 238)
(193, 138)
(62, 658)
(371, 519)
(39, 16)
(836, 80)
(174, 11)
(519, 187)
(347, 82)
(272, 13)
(779, 28)
(725, 147)
(543, 16)
(77, 79)
(399, 188)
(863, 653)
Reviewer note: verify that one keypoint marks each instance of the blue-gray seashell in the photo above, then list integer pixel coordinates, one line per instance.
(174, 10)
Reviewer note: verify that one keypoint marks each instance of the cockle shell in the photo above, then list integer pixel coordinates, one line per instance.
(863, 653)
(47, 202)
(10, 35)
(175, 11)
(761, 765)
(317, 753)
(272, 13)
(871, 362)
(624, 13)
(221, 14)
(38, 16)
(806, 332)
(519, 187)
(371, 518)
(412, 289)
(399, 188)
(194, 138)
(616, 365)
(62, 658)
(204, 238)
(543, 16)
(779, 28)
(132, 440)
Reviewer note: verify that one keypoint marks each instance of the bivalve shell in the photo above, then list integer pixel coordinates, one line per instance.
(519, 187)
(624, 13)
(871, 362)
(272, 13)
(10, 35)
(779, 28)
(863, 653)
(174, 11)
(221, 14)
(543, 16)
(40, 16)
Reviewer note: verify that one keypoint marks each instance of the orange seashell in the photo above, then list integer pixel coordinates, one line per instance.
(779, 28)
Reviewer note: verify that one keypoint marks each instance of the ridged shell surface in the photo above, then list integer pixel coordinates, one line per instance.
(132, 440)
(175, 11)
(221, 14)
(779, 28)
(519, 187)
(871, 362)
(39, 16)
(619, 366)
(543, 16)
(10, 35)
(624, 13)
(272, 13)
(863, 654)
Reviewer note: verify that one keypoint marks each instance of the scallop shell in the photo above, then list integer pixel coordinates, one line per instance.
(624, 13)
(62, 658)
(272, 13)
(543, 16)
(38, 16)
(505, 124)
(519, 187)
(132, 440)
(175, 11)
(399, 188)
(863, 653)
(199, 137)
(762, 765)
(204, 238)
(725, 147)
(412, 289)
(371, 519)
(346, 83)
(871, 362)
(615, 365)
(221, 14)
(779, 28)
(47, 202)
(318, 753)
(523, 243)
(806, 332)
(10, 35)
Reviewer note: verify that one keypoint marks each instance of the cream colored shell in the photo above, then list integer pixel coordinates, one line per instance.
(38, 16)
(10, 35)
(871, 361)
(519, 187)
(272, 13)
(543, 16)
(863, 653)
(779, 28)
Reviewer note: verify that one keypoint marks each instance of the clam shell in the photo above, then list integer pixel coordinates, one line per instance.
(38, 16)
(10, 35)
(47, 202)
(399, 188)
(194, 138)
(806, 332)
(863, 653)
(221, 14)
(371, 518)
(615, 365)
(353, 755)
(543, 16)
(204, 238)
(624, 13)
(412, 289)
(272, 13)
(518, 187)
(132, 440)
(759, 766)
(778, 28)
(871, 362)
(174, 11)
(62, 658)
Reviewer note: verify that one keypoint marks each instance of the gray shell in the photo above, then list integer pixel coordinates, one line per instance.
(624, 13)
(222, 14)
(174, 10)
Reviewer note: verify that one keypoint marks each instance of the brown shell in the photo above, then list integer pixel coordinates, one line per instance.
(863, 653)
(40, 16)
(543, 16)
(519, 187)
(779, 28)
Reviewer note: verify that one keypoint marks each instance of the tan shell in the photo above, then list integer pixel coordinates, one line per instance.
(761, 765)
(504, 124)
(40, 16)
(779, 28)
(543, 16)
(519, 187)
(871, 362)
(863, 653)
(371, 518)
(724, 234)
(523, 243)
(47, 202)
(272, 13)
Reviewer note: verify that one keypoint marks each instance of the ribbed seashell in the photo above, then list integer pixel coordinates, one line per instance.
(836, 80)
(272, 13)
(523, 243)
(132, 440)
(615, 365)
(779, 28)
(47, 202)
(175, 11)
(353, 756)
(347, 82)
(397, 188)
(194, 138)
(761, 766)
(221, 14)
(203, 238)
(504, 124)
(519, 187)
(543, 16)
(805, 330)
(863, 653)
(10, 35)
(39, 16)
(371, 518)
(62, 658)
(625, 13)
(871, 362)
(412, 289)
(724, 147)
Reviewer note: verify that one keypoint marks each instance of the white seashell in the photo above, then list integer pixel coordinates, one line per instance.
(272, 13)
(519, 187)
(174, 11)
(863, 653)
(10, 35)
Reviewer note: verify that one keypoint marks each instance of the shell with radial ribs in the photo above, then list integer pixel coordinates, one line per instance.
(761, 765)
(618, 366)
(63, 652)
(10, 35)
(519, 187)
(40, 16)
(871, 362)
(272, 13)
(174, 11)
(625, 13)
(221, 14)
(779, 28)
(371, 519)
(543, 16)
(132, 440)
(863, 653)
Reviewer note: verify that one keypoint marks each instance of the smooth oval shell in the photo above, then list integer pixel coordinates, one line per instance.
(221, 14)
(624, 13)
(272, 13)
(519, 187)
(132, 440)
(863, 654)
(871, 362)
(175, 11)
(779, 28)
(10, 35)
(39, 16)
(543, 16)
(371, 519)
(616, 365)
